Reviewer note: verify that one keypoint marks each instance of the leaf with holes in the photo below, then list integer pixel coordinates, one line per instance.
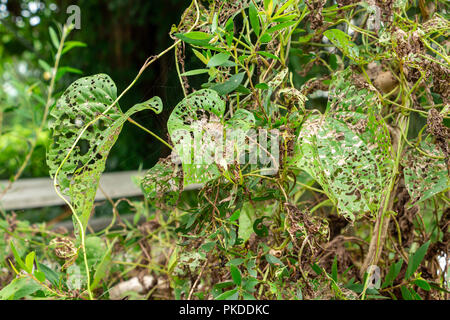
(356, 104)
(83, 101)
(343, 41)
(197, 129)
(197, 118)
(424, 176)
(342, 163)
(163, 182)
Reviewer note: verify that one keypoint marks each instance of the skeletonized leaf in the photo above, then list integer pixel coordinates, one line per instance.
(424, 176)
(342, 163)
(163, 182)
(343, 41)
(199, 114)
(356, 104)
(82, 102)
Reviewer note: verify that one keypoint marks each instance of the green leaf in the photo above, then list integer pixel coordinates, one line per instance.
(422, 284)
(218, 59)
(53, 37)
(18, 258)
(29, 260)
(318, 270)
(196, 128)
(194, 72)
(342, 163)
(229, 295)
(342, 41)
(249, 284)
(197, 38)
(247, 296)
(262, 86)
(19, 288)
(334, 273)
(207, 247)
(245, 223)
(63, 70)
(406, 294)
(69, 45)
(415, 259)
(40, 276)
(223, 285)
(200, 57)
(268, 54)
(50, 275)
(84, 101)
(254, 18)
(394, 270)
(45, 65)
(162, 182)
(281, 26)
(230, 85)
(285, 5)
(101, 269)
(265, 38)
(269, 5)
(236, 275)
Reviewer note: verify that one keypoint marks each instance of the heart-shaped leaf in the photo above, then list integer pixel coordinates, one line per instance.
(85, 100)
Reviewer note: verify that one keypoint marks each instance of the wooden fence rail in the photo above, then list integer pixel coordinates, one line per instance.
(39, 192)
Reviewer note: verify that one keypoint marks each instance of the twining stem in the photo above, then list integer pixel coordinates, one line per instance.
(150, 132)
(382, 223)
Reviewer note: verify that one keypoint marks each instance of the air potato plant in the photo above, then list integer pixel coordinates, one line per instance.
(311, 163)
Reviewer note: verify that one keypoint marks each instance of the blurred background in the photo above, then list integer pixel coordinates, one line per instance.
(118, 35)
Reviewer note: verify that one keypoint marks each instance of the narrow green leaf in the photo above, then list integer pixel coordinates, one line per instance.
(194, 72)
(197, 38)
(236, 275)
(53, 37)
(101, 269)
(254, 18)
(230, 85)
(416, 259)
(394, 270)
(218, 59)
(334, 273)
(18, 258)
(69, 45)
(200, 56)
(268, 54)
(281, 26)
(50, 275)
(45, 65)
